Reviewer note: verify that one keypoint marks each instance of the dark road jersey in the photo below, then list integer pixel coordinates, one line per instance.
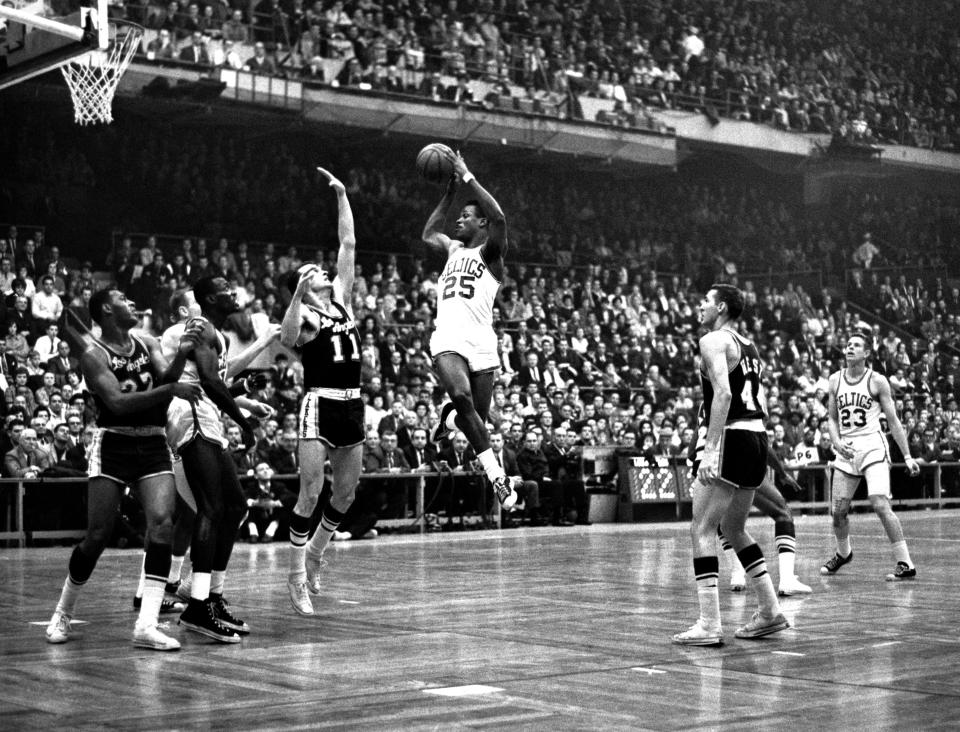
(135, 373)
(746, 392)
(331, 360)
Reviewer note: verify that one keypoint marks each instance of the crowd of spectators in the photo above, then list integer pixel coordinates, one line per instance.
(871, 70)
(589, 357)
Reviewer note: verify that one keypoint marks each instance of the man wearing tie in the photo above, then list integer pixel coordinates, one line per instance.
(461, 93)
(196, 53)
(529, 491)
(46, 345)
(531, 372)
(283, 457)
(63, 363)
(552, 376)
(375, 497)
(420, 454)
(464, 489)
(392, 421)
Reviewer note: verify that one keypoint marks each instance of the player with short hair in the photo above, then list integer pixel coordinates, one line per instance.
(196, 432)
(184, 307)
(129, 379)
(464, 344)
(730, 465)
(858, 403)
(319, 324)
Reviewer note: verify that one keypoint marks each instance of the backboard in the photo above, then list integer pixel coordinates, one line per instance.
(37, 36)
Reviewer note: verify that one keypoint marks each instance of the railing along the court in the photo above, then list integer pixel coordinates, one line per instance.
(643, 485)
(640, 486)
(16, 514)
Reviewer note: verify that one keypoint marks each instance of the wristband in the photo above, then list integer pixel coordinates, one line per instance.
(468, 176)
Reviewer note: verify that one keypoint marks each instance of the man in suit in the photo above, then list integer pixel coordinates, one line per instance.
(375, 497)
(283, 457)
(529, 491)
(394, 420)
(461, 93)
(196, 52)
(465, 488)
(420, 453)
(27, 459)
(432, 87)
(391, 370)
(531, 372)
(534, 466)
(62, 363)
(566, 469)
(245, 460)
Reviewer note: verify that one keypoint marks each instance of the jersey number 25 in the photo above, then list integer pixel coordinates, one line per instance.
(466, 287)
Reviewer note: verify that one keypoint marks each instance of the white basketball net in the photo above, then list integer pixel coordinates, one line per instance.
(93, 77)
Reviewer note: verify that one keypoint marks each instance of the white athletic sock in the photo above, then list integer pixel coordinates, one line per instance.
(706, 572)
(143, 575)
(491, 467)
(254, 531)
(844, 548)
(787, 561)
(150, 605)
(200, 588)
(297, 568)
(68, 596)
(176, 564)
(320, 540)
(216, 581)
(271, 529)
(901, 553)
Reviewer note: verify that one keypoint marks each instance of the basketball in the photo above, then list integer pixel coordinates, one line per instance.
(432, 163)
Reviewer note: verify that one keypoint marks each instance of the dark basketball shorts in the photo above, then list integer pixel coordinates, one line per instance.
(337, 423)
(127, 459)
(743, 458)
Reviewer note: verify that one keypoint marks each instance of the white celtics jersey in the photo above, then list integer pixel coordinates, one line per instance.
(858, 412)
(465, 292)
(170, 342)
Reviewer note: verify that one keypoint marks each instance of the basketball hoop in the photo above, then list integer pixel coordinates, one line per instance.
(94, 76)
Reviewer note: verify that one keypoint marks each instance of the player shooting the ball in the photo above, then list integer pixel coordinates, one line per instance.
(464, 345)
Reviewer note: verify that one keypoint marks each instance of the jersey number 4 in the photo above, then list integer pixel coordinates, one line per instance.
(466, 289)
(337, 339)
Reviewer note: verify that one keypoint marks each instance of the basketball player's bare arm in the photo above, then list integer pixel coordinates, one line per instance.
(171, 371)
(496, 244)
(889, 409)
(292, 332)
(433, 230)
(205, 355)
(346, 233)
(238, 363)
(713, 354)
(101, 381)
(842, 449)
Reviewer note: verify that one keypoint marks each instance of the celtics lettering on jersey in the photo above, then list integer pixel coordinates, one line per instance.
(858, 412)
(459, 277)
(466, 292)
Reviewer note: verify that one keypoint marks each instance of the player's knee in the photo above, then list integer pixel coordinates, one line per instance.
(97, 537)
(880, 505)
(781, 514)
(841, 508)
(160, 530)
(462, 401)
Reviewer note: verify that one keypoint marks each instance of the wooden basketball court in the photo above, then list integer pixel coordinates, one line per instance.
(542, 628)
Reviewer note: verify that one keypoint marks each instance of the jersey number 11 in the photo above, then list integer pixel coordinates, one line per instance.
(336, 339)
